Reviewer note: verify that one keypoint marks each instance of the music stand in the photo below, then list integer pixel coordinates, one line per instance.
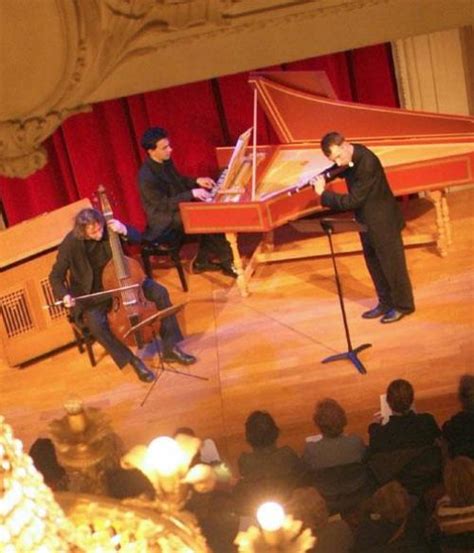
(150, 321)
(328, 226)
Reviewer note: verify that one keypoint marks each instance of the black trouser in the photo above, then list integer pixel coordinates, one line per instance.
(95, 317)
(385, 259)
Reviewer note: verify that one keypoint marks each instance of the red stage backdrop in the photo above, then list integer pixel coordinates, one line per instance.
(102, 147)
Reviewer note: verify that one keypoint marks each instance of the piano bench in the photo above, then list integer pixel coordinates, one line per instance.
(163, 249)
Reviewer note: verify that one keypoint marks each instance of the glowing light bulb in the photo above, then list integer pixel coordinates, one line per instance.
(270, 516)
(165, 455)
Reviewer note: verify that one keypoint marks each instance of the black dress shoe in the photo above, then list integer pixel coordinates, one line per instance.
(141, 370)
(376, 312)
(203, 266)
(229, 270)
(393, 316)
(177, 355)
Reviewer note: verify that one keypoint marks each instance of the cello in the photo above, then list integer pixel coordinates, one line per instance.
(129, 306)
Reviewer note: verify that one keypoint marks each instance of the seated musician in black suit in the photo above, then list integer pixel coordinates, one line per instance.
(162, 188)
(82, 256)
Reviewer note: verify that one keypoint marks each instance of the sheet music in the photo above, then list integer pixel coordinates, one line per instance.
(236, 161)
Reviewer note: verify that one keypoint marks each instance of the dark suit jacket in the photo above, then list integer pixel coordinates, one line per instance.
(403, 431)
(162, 189)
(72, 265)
(369, 195)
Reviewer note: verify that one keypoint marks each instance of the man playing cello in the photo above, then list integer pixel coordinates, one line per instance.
(82, 256)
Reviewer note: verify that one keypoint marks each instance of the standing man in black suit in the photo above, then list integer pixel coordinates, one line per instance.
(162, 188)
(375, 206)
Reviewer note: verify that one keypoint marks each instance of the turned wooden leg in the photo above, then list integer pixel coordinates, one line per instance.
(446, 218)
(267, 244)
(241, 279)
(435, 197)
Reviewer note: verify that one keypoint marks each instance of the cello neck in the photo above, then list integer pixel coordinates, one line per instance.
(119, 259)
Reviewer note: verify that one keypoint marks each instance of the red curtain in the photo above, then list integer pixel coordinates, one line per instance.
(102, 147)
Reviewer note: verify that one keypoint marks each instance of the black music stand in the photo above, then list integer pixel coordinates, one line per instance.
(329, 226)
(161, 368)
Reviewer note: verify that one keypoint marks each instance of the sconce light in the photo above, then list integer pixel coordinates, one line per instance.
(277, 532)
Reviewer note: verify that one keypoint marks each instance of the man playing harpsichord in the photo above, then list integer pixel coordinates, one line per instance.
(162, 188)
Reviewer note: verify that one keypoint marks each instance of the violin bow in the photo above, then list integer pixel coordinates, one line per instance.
(94, 295)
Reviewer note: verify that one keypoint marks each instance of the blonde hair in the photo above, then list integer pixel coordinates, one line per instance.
(459, 481)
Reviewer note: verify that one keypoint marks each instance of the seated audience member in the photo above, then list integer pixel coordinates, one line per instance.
(214, 510)
(406, 447)
(268, 472)
(391, 524)
(307, 505)
(337, 460)
(217, 518)
(208, 452)
(123, 483)
(455, 511)
(44, 458)
(458, 431)
(335, 447)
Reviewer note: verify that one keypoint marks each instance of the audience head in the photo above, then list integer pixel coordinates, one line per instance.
(186, 430)
(330, 418)
(466, 392)
(151, 136)
(400, 396)
(44, 458)
(307, 505)
(459, 481)
(391, 502)
(85, 219)
(123, 483)
(260, 429)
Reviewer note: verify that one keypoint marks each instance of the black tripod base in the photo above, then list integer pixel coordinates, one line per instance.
(352, 356)
(166, 368)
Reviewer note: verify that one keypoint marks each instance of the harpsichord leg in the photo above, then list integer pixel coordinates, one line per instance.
(435, 196)
(446, 218)
(241, 278)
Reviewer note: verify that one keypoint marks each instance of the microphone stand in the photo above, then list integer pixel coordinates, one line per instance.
(328, 227)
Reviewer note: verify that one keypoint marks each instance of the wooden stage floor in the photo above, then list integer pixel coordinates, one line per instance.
(265, 351)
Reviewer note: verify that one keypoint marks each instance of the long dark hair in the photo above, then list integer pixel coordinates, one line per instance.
(85, 217)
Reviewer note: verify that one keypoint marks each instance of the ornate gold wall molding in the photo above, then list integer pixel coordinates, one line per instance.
(21, 150)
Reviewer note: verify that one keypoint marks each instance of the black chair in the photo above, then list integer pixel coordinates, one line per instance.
(83, 337)
(344, 487)
(163, 249)
(416, 468)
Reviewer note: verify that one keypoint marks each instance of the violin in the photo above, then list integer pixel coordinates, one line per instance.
(129, 306)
